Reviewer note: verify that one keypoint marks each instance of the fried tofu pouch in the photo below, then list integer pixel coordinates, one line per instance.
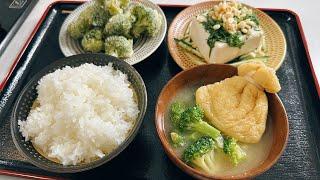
(238, 106)
(262, 75)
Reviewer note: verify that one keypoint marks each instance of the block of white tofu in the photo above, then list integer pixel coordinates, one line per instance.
(221, 52)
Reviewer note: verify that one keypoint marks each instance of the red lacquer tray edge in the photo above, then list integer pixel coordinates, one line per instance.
(42, 177)
(25, 175)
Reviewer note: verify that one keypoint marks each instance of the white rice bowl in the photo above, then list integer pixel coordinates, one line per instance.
(84, 113)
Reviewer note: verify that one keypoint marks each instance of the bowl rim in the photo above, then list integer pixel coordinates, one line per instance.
(14, 127)
(197, 173)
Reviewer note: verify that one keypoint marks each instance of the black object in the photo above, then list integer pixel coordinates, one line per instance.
(12, 15)
(144, 158)
(11, 10)
(3, 33)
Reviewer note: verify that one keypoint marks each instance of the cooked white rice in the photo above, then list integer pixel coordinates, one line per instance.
(84, 113)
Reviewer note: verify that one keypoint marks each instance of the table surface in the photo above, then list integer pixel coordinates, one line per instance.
(306, 9)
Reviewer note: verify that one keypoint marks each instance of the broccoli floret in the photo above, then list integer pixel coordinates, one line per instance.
(200, 153)
(200, 147)
(78, 28)
(180, 140)
(92, 41)
(93, 16)
(114, 6)
(148, 21)
(120, 24)
(175, 113)
(86, 15)
(233, 150)
(99, 2)
(192, 120)
(82, 24)
(177, 139)
(119, 46)
(99, 17)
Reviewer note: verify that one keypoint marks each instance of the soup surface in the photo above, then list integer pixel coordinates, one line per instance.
(256, 153)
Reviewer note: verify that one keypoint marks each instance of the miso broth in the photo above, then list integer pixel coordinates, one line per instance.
(256, 153)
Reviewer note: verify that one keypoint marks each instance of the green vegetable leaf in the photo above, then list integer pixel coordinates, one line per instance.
(221, 35)
(253, 18)
(235, 40)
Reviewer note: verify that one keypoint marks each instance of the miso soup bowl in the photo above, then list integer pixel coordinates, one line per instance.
(208, 74)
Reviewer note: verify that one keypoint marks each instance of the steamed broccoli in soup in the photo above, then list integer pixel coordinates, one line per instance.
(231, 148)
(190, 128)
(201, 153)
(176, 111)
(177, 139)
(111, 25)
(234, 130)
(192, 119)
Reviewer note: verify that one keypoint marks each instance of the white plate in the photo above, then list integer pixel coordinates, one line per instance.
(143, 47)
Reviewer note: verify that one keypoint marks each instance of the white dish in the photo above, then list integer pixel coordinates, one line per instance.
(142, 47)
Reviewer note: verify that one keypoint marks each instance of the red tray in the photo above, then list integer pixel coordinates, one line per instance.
(297, 59)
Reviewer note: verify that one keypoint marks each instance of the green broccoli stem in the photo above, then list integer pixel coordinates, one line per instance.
(233, 150)
(206, 129)
(194, 136)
